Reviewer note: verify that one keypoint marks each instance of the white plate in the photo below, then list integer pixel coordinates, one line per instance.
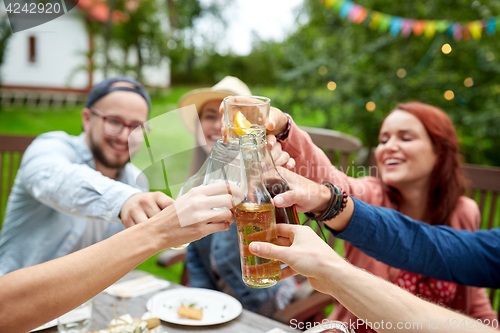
(217, 307)
(45, 326)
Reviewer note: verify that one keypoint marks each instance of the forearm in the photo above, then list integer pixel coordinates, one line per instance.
(75, 189)
(63, 284)
(386, 307)
(440, 252)
(311, 161)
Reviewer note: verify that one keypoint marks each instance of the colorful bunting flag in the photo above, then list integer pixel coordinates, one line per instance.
(355, 12)
(385, 21)
(457, 31)
(338, 4)
(376, 17)
(362, 16)
(442, 26)
(330, 3)
(491, 26)
(430, 29)
(396, 26)
(405, 26)
(346, 9)
(475, 28)
(418, 27)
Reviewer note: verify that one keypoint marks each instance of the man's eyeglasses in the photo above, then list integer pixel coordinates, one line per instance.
(113, 126)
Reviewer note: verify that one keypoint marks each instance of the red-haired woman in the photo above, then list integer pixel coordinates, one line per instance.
(420, 176)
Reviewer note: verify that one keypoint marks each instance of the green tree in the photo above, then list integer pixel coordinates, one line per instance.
(155, 30)
(364, 64)
(5, 33)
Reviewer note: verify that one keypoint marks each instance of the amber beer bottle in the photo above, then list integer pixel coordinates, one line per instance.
(255, 219)
(274, 182)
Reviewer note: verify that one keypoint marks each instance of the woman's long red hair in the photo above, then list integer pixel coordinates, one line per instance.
(447, 182)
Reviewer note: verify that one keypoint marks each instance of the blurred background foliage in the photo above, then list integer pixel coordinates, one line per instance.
(368, 65)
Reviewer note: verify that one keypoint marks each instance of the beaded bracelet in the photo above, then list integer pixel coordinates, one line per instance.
(336, 205)
(282, 136)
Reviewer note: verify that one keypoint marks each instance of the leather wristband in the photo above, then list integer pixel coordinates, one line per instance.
(336, 204)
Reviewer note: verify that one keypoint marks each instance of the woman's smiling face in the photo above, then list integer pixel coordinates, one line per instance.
(210, 120)
(405, 154)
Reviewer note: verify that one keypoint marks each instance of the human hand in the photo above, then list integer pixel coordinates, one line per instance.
(280, 157)
(304, 252)
(195, 215)
(277, 122)
(307, 195)
(141, 206)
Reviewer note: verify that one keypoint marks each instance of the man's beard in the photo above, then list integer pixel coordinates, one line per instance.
(99, 156)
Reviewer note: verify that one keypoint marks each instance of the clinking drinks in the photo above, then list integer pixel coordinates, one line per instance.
(255, 219)
(257, 223)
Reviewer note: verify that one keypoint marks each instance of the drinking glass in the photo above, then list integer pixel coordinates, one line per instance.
(243, 114)
(77, 320)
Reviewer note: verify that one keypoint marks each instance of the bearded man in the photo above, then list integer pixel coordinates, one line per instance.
(73, 191)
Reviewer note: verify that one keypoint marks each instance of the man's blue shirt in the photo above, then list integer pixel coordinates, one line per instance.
(57, 192)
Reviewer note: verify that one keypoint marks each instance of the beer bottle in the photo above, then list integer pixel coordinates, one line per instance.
(255, 219)
(274, 182)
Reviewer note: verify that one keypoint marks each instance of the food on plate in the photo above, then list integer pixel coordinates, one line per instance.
(190, 312)
(127, 324)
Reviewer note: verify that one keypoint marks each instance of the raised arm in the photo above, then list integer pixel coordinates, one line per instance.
(62, 284)
(312, 163)
(381, 304)
(468, 258)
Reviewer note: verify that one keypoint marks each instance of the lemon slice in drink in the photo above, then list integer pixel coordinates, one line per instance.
(243, 124)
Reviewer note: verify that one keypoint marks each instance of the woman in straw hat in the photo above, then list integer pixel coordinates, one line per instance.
(207, 102)
(214, 261)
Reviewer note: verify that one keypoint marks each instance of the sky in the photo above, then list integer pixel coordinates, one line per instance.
(269, 19)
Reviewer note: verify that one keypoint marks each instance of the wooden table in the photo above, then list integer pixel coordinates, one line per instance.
(102, 314)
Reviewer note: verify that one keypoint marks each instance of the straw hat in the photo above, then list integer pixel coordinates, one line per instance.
(228, 86)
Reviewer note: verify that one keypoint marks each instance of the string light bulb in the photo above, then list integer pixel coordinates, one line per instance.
(401, 73)
(468, 82)
(331, 86)
(322, 70)
(449, 95)
(446, 48)
(370, 106)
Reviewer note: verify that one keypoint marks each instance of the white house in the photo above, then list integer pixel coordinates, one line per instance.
(53, 58)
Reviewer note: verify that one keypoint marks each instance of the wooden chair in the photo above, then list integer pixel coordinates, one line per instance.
(338, 146)
(335, 144)
(483, 186)
(11, 151)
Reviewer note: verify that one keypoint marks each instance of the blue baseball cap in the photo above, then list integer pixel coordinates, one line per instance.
(103, 88)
